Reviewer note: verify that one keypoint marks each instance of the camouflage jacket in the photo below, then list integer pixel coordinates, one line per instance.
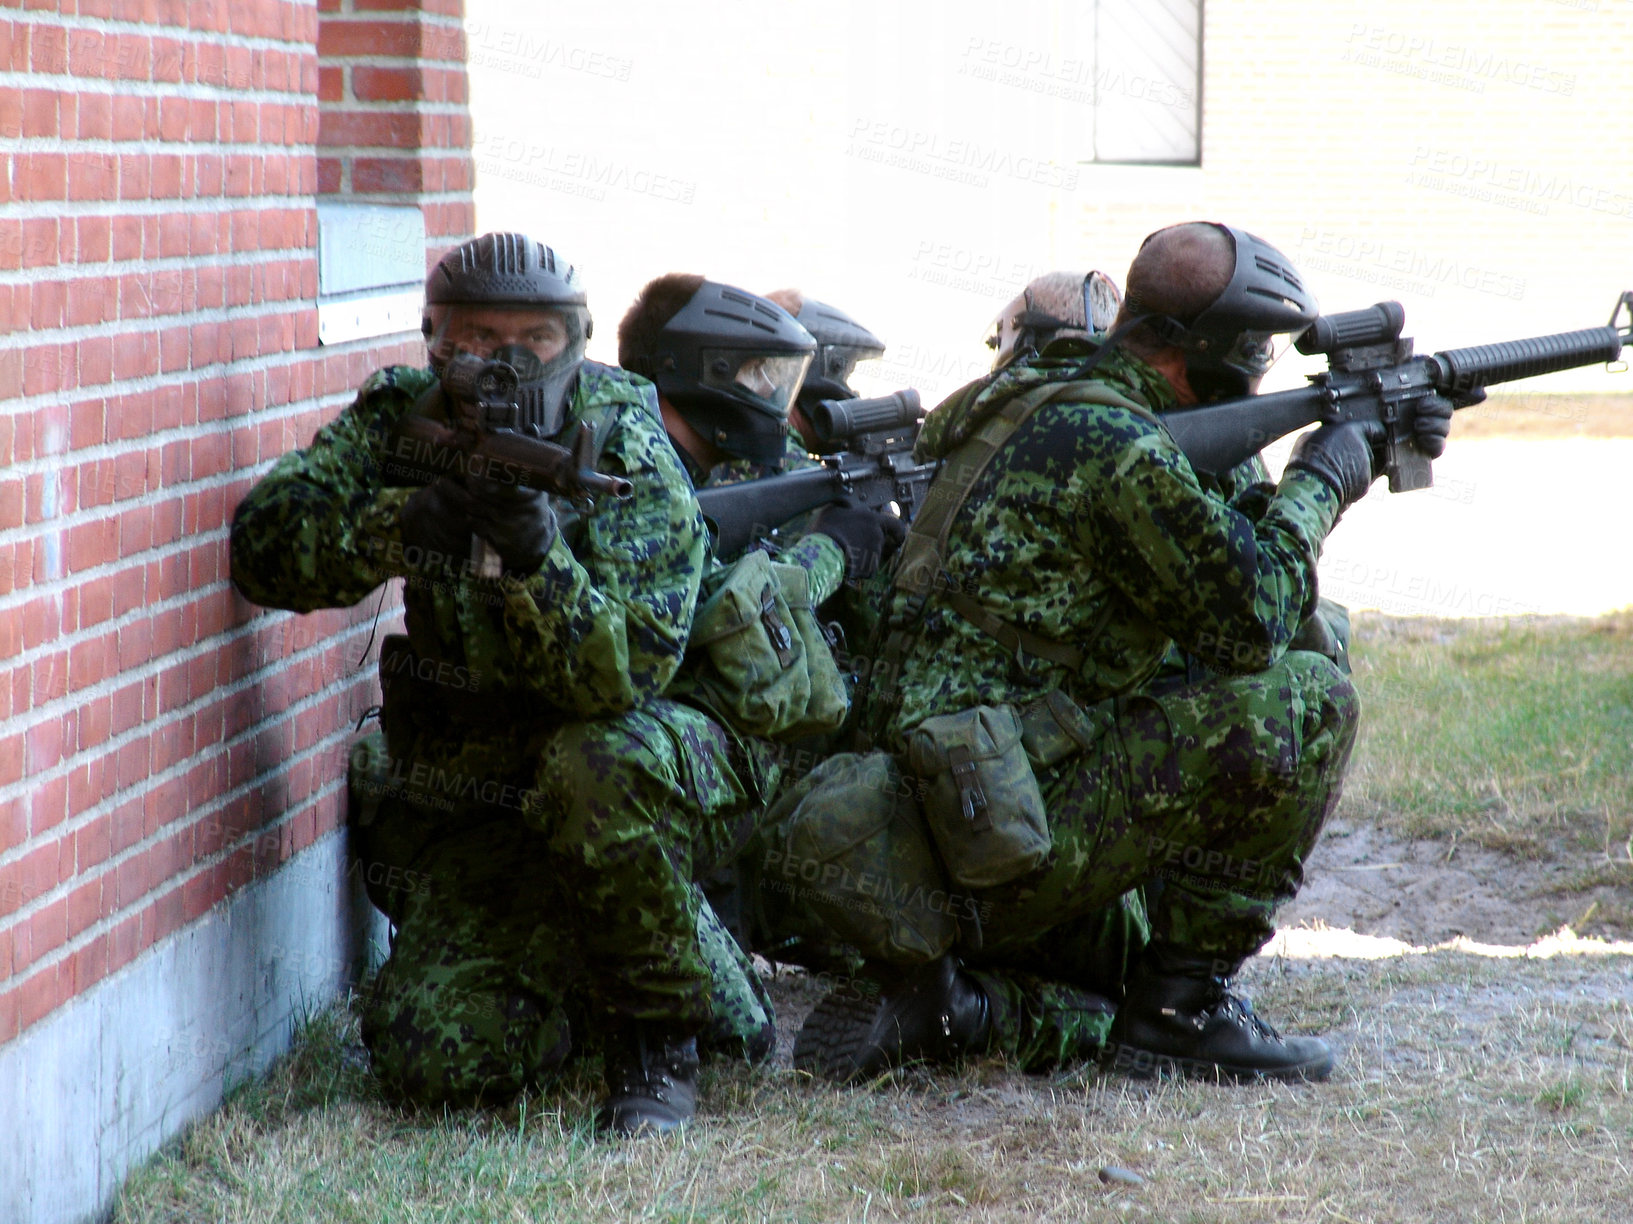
(600, 627)
(1090, 528)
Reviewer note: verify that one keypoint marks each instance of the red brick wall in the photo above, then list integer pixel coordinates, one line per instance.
(163, 743)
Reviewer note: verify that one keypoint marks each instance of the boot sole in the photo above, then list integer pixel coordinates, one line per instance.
(639, 1120)
(1147, 1064)
(831, 1040)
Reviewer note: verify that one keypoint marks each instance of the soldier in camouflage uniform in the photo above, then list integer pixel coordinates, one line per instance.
(552, 807)
(1039, 1021)
(1084, 552)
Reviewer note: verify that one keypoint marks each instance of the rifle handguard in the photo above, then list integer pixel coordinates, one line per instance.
(421, 450)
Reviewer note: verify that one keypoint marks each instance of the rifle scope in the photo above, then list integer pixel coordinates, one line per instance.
(1375, 325)
(839, 421)
(475, 380)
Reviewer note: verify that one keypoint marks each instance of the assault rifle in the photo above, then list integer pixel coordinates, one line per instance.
(1372, 376)
(867, 448)
(482, 440)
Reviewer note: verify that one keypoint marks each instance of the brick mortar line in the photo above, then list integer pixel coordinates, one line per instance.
(152, 667)
(70, 332)
(129, 87)
(147, 730)
(17, 597)
(147, 206)
(71, 825)
(27, 210)
(61, 143)
(78, 21)
(180, 433)
(57, 587)
(67, 829)
(192, 816)
(75, 272)
(40, 465)
(152, 382)
(185, 35)
(154, 325)
(56, 707)
(29, 533)
(106, 923)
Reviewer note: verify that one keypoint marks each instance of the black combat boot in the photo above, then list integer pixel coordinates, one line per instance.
(932, 1014)
(1179, 1016)
(651, 1080)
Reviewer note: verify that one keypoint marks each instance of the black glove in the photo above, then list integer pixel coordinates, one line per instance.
(1433, 421)
(436, 526)
(866, 536)
(1342, 455)
(519, 522)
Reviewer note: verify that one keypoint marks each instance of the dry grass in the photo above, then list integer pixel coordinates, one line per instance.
(1469, 1089)
(1533, 414)
(1514, 733)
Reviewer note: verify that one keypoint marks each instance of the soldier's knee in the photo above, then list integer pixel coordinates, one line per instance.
(1332, 707)
(460, 1047)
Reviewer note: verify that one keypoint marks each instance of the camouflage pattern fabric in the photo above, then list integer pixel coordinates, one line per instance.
(633, 809)
(1056, 1016)
(1090, 528)
(511, 673)
(485, 990)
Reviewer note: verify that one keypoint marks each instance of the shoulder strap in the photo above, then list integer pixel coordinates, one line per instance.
(919, 562)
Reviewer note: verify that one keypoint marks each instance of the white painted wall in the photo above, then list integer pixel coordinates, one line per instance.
(1466, 157)
(99, 1085)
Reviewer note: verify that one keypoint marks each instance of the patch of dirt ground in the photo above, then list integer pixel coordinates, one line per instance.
(1420, 892)
(1426, 892)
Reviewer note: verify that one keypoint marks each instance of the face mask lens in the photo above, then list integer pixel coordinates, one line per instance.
(1255, 352)
(774, 379)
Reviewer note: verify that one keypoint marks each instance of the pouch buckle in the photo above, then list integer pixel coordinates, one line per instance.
(782, 637)
(971, 797)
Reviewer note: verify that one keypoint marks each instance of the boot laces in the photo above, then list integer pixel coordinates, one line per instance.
(645, 1075)
(1234, 1009)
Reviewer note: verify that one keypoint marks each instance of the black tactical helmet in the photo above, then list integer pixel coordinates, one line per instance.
(513, 270)
(1230, 344)
(730, 362)
(842, 342)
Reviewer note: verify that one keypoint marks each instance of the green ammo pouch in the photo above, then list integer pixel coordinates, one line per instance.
(981, 799)
(757, 655)
(848, 843)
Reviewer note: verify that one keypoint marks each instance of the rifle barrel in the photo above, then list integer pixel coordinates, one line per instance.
(1465, 369)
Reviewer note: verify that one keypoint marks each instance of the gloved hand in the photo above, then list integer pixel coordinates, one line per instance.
(520, 523)
(866, 536)
(1433, 421)
(436, 525)
(1342, 455)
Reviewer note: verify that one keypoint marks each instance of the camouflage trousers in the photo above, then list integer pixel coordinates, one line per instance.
(1050, 1009)
(520, 932)
(1208, 795)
